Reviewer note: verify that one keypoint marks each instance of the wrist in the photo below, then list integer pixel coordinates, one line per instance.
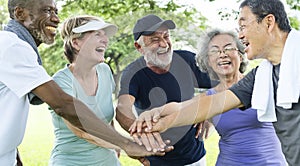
(125, 144)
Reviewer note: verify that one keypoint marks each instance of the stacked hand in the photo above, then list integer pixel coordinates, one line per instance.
(158, 119)
(145, 131)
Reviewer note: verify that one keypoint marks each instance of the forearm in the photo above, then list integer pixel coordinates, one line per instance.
(90, 138)
(124, 111)
(77, 113)
(80, 116)
(202, 107)
(124, 119)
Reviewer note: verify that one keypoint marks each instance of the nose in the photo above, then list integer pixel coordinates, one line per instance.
(222, 54)
(54, 18)
(163, 43)
(240, 35)
(104, 39)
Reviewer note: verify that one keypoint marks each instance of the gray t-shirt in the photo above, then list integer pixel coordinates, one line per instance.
(288, 120)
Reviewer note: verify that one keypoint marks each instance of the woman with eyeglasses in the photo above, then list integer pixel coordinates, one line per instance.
(243, 139)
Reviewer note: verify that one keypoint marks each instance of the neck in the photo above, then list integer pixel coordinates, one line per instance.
(81, 71)
(159, 70)
(277, 46)
(228, 81)
(87, 78)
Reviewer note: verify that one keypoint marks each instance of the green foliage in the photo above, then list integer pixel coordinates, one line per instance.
(294, 4)
(3, 13)
(35, 149)
(295, 23)
(124, 14)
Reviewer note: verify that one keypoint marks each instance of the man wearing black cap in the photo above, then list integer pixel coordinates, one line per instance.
(161, 76)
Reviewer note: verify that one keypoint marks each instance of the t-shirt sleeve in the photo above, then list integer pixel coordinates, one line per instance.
(202, 79)
(64, 82)
(19, 70)
(244, 88)
(127, 84)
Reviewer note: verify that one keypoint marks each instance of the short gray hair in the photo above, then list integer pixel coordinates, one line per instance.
(202, 55)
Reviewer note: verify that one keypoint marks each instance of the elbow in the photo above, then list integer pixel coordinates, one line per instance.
(61, 107)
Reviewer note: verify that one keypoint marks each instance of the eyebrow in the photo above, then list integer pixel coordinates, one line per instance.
(241, 19)
(228, 44)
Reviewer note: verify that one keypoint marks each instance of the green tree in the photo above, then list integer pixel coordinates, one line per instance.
(121, 50)
(3, 13)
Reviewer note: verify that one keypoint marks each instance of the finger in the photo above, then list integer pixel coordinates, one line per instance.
(146, 162)
(148, 119)
(156, 116)
(132, 128)
(145, 142)
(159, 140)
(207, 130)
(153, 143)
(139, 126)
(197, 130)
(137, 139)
(169, 148)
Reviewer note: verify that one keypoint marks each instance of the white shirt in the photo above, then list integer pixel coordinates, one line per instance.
(19, 74)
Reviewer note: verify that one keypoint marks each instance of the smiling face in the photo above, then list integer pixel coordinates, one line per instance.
(224, 65)
(92, 47)
(254, 35)
(42, 21)
(157, 48)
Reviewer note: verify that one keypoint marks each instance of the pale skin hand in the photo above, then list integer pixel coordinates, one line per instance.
(99, 142)
(188, 112)
(125, 116)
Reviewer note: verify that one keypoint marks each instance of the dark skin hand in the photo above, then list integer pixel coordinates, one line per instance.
(80, 116)
(41, 20)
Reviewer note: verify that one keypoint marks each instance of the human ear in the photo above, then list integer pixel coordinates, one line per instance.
(75, 44)
(20, 14)
(138, 47)
(270, 22)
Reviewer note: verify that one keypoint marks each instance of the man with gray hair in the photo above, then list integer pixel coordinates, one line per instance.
(32, 23)
(161, 76)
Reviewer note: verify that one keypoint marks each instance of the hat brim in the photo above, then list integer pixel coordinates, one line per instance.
(168, 23)
(94, 25)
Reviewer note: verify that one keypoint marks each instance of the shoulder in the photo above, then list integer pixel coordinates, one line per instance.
(188, 56)
(135, 66)
(8, 36)
(184, 53)
(103, 66)
(62, 74)
(9, 40)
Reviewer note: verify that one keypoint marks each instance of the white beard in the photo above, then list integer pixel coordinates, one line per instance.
(152, 58)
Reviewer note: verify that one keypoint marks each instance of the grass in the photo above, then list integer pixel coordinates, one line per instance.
(36, 147)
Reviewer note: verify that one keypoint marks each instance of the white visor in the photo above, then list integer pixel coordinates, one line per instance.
(94, 25)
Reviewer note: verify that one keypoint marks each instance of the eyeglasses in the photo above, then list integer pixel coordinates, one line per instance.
(226, 51)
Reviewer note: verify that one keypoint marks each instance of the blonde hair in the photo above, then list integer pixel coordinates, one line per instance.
(68, 35)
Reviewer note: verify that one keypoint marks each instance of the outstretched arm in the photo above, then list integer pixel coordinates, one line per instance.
(188, 112)
(90, 138)
(126, 117)
(80, 116)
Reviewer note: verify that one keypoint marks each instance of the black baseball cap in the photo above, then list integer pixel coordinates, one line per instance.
(149, 24)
